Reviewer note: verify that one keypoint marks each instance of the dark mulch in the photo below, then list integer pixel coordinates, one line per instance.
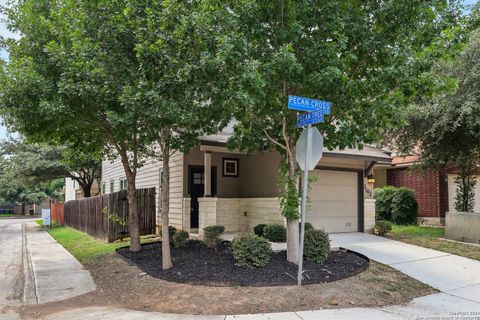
(197, 264)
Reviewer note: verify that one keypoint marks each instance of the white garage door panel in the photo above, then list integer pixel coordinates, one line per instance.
(334, 201)
(335, 193)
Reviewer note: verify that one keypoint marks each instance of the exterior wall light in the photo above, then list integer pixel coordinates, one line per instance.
(371, 178)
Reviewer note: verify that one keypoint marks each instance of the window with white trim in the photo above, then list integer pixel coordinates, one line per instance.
(123, 184)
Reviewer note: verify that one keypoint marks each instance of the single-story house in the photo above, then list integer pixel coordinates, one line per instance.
(435, 189)
(214, 185)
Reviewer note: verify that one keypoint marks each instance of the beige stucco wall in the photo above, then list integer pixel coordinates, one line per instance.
(463, 226)
(380, 175)
(257, 174)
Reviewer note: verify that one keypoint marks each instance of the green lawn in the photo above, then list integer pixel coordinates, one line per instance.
(6, 215)
(83, 247)
(432, 237)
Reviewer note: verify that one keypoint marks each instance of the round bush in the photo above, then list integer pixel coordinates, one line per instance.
(308, 226)
(275, 232)
(404, 206)
(212, 235)
(258, 229)
(250, 250)
(171, 232)
(383, 202)
(382, 227)
(180, 239)
(316, 246)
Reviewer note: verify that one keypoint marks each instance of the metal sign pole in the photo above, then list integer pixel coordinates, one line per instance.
(304, 206)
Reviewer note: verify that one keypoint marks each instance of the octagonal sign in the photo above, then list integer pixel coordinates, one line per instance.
(315, 145)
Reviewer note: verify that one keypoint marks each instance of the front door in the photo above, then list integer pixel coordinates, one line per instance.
(196, 186)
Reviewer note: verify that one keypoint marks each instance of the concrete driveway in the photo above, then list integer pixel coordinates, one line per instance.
(35, 268)
(456, 277)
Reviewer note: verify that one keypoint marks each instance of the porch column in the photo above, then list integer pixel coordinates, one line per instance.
(207, 164)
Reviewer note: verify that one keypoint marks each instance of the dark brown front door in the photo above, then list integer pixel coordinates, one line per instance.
(196, 187)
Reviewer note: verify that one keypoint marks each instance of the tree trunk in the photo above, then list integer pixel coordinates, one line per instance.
(133, 221)
(87, 190)
(293, 238)
(293, 234)
(165, 190)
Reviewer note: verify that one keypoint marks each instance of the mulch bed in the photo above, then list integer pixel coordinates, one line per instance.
(197, 264)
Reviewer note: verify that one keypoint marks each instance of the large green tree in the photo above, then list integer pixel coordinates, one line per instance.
(445, 127)
(35, 163)
(179, 82)
(67, 77)
(366, 57)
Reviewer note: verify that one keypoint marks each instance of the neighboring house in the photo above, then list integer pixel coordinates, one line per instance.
(434, 188)
(240, 191)
(73, 191)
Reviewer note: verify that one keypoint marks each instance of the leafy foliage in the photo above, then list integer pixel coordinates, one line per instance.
(250, 250)
(212, 235)
(317, 245)
(34, 163)
(180, 239)
(404, 206)
(383, 202)
(465, 191)
(382, 227)
(275, 232)
(398, 205)
(258, 229)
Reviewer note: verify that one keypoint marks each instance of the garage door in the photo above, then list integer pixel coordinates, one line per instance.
(334, 201)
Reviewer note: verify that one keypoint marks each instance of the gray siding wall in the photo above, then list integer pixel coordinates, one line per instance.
(149, 176)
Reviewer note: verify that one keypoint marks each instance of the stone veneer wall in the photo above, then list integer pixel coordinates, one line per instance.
(242, 214)
(238, 214)
(369, 215)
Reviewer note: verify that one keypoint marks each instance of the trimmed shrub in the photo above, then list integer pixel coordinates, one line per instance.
(275, 233)
(258, 229)
(383, 202)
(382, 227)
(212, 235)
(404, 207)
(171, 232)
(398, 205)
(180, 239)
(250, 250)
(308, 226)
(316, 246)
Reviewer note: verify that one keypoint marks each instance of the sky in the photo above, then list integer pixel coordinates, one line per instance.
(4, 32)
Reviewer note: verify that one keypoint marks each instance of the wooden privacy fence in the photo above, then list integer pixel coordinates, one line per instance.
(106, 217)
(56, 213)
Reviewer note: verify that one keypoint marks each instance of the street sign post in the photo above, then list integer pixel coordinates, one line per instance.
(309, 150)
(310, 105)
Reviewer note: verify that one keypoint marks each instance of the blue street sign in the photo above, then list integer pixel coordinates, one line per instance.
(305, 119)
(306, 104)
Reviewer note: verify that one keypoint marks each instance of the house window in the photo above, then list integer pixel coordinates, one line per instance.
(123, 184)
(230, 167)
(112, 186)
(198, 178)
(104, 188)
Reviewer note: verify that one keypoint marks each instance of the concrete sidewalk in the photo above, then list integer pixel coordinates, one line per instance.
(53, 274)
(452, 274)
(458, 278)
